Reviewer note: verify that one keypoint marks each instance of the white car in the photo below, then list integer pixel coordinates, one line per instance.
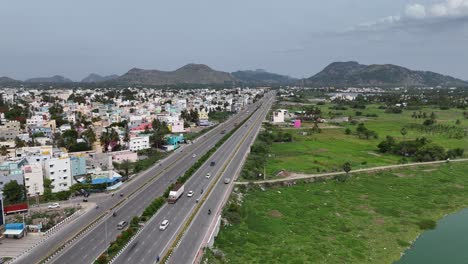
(164, 225)
(194, 155)
(53, 206)
(190, 194)
(208, 175)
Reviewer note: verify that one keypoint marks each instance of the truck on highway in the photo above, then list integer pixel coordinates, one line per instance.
(176, 192)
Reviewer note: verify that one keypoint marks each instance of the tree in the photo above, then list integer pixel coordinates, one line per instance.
(347, 168)
(3, 150)
(89, 136)
(403, 132)
(48, 189)
(19, 143)
(125, 165)
(13, 192)
(108, 138)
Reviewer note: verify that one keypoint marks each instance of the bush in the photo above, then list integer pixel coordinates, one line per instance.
(427, 224)
(394, 110)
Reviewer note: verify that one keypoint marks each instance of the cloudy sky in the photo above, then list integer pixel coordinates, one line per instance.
(295, 37)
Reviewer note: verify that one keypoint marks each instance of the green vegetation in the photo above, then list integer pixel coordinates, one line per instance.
(219, 116)
(13, 192)
(340, 142)
(370, 218)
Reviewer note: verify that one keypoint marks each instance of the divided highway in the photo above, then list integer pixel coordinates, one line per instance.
(152, 242)
(138, 193)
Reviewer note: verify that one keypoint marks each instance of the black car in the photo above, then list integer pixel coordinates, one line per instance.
(212, 163)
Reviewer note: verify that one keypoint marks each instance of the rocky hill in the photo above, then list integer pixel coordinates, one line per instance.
(53, 79)
(262, 77)
(188, 74)
(93, 78)
(342, 74)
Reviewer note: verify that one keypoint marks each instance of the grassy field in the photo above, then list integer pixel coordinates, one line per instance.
(367, 219)
(328, 150)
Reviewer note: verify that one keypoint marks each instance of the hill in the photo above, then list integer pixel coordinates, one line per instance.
(261, 76)
(342, 74)
(188, 74)
(93, 77)
(53, 79)
(6, 81)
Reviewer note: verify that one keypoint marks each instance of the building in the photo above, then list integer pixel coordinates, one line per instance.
(202, 115)
(278, 116)
(177, 127)
(10, 130)
(11, 171)
(120, 156)
(139, 143)
(33, 179)
(77, 166)
(58, 171)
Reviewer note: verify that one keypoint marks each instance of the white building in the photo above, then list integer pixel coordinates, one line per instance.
(278, 116)
(36, 120)
(33, 179)
(139, 143)
(59, 172)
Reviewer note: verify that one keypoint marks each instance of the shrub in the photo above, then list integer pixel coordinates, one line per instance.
(427, 224)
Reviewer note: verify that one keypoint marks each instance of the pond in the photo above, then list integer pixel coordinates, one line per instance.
(447, 243)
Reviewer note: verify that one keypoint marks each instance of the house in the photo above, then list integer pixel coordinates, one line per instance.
(177, 127)
(278, 116)
(10, 130)
(139, 143)
(33, 179)
(202, 115)
(11, 171)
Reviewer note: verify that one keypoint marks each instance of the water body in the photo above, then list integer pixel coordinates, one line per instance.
(447, 244)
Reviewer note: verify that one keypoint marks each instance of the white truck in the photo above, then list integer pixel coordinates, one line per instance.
(175, 194)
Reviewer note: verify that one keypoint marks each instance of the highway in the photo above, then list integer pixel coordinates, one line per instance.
(152, 242)
(144, 188)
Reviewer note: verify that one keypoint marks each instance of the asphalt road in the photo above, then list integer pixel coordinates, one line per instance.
(199, 230)
(152, 242)
(94, 242)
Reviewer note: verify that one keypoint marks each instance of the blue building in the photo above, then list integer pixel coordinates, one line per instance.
(175, 140)
(78, 166)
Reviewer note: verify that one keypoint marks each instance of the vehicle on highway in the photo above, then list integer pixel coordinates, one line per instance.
(121, 194)
(190, 194)
(176, 192)
(208, 175)
(227, 180)
(223, 131)
(212, 163)
(164, 225)
(114, 214)
(209, 211)
(194, 155)
(122, 224)
(53, 206)
(85, 200)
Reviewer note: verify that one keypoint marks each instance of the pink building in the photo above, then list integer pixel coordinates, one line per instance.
(297, 123)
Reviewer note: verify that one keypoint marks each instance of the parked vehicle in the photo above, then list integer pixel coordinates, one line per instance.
(122, 224)
(164, 225)
(190, 194)
(53, 206)
(227, 180)
(176, 192)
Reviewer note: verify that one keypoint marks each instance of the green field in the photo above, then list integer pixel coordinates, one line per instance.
(367, 219)
(327, 151)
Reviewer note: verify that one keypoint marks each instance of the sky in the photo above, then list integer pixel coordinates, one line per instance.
(295, 37)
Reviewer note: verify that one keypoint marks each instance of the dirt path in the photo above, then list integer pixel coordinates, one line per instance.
(297, 176)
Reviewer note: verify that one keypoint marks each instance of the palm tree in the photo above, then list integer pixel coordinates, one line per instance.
(89, 136)
(109, 137)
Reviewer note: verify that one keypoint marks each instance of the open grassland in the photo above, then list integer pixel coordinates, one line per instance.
(327, 151)
(370, 218)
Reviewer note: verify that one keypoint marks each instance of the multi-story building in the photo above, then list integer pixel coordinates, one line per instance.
(10, 130)
(77, 166)
(33, 179)
(57, 169)
(139, 143)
